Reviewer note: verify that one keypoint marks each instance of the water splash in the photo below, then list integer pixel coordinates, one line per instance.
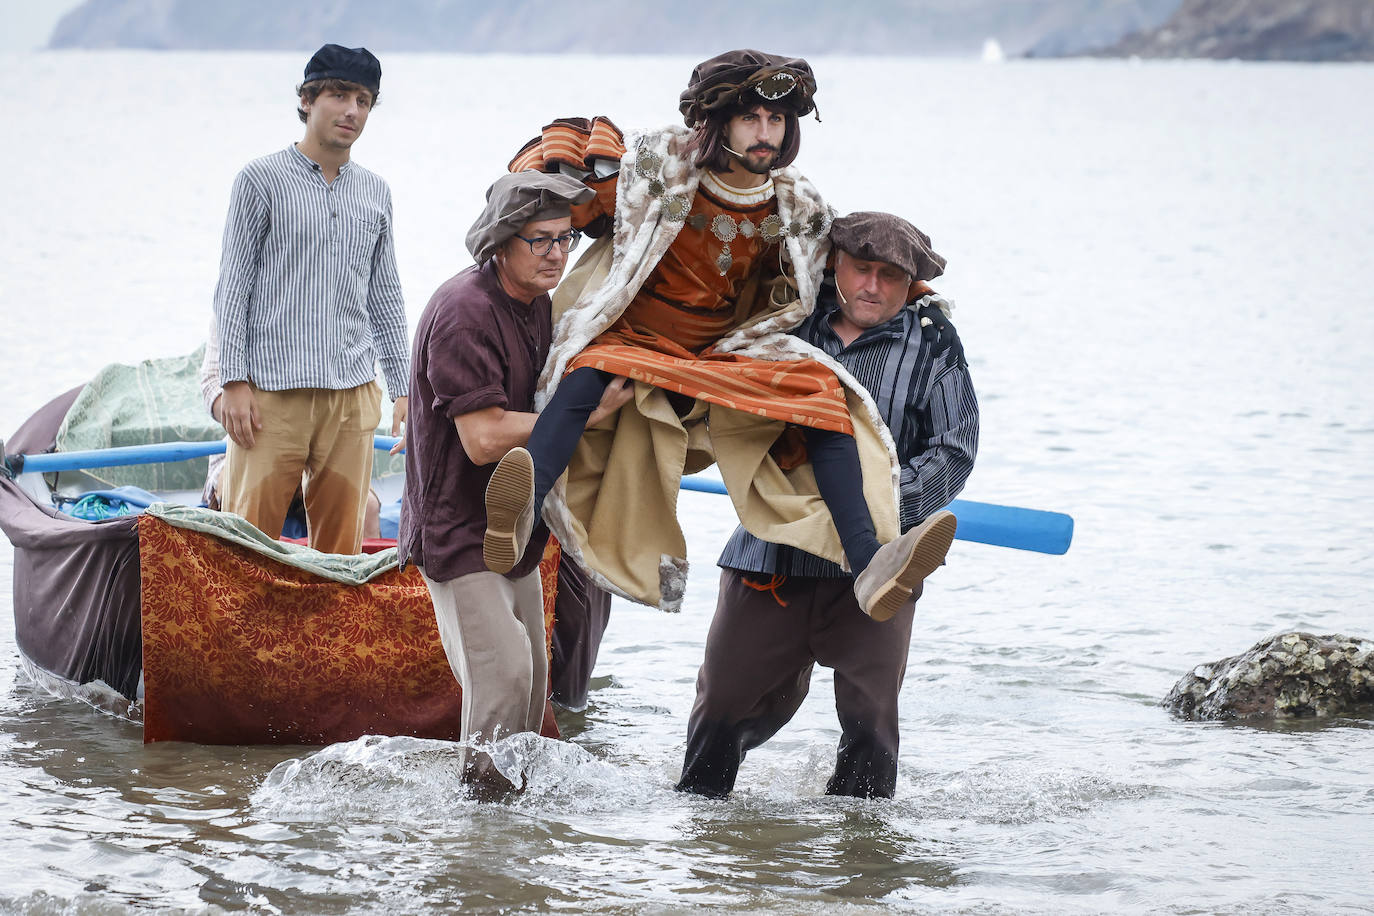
(419, 780)
(96, 694)
(372, 776)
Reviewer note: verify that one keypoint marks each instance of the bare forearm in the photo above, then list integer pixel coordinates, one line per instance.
(488, 434)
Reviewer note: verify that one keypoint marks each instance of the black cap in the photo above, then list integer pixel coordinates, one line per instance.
(353, 65)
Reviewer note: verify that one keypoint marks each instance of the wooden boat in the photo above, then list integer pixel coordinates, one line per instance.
(206, 630)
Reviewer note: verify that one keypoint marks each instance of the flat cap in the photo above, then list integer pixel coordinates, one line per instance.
(352, 65)
(876, 236)
(518, 197)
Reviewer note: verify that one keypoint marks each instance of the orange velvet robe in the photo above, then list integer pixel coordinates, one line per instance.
(666, 335)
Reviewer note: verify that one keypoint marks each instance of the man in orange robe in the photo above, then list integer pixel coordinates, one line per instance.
(717, 244)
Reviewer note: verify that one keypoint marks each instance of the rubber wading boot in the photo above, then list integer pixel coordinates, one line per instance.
(510, 511)
(900, 565)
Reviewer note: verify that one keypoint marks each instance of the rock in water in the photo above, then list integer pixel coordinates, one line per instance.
(1289, 676)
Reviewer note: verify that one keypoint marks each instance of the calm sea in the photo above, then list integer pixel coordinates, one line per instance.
(1164, 282)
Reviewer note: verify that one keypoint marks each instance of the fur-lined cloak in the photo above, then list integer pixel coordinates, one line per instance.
(615, 510)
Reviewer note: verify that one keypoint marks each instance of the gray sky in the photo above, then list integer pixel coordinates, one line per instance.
(28, 23)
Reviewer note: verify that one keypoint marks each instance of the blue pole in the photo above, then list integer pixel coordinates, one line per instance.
(983, 523)
(122, 456)
(156, 453)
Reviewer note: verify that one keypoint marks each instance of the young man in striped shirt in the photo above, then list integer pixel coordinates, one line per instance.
(779, 610)
(308, 302)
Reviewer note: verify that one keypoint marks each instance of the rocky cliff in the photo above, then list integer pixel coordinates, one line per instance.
(698, 28)
(1299, 30)
(1105, 23)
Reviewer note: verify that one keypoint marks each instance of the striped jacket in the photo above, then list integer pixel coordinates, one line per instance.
(922, 387)
(308, 293)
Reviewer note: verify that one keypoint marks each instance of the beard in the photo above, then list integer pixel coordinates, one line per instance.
(757, 167)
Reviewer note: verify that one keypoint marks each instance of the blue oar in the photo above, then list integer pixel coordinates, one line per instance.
(122, 456)
(984, 523)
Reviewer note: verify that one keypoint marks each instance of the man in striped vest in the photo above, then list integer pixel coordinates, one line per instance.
(780, 610)
(308, 302)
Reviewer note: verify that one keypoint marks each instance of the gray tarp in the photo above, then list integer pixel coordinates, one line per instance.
(76, 598)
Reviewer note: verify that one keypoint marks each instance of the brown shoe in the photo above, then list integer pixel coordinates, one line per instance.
(900, 565)
(510, 511)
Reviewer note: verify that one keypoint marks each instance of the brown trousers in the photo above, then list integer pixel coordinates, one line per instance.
(492, 629)
(760, 651)
(319, 432)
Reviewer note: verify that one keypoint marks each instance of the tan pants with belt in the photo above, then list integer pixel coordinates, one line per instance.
(326, 435)
(492, 629)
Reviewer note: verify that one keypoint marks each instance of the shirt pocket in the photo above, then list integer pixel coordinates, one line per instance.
(360, 241)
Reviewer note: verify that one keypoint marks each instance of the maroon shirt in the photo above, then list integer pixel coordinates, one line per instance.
(475, 347)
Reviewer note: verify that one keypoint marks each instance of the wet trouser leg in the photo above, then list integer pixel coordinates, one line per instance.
(492, 630)
(560, 425)
(869, 661)
(323, 433)
(339, 470)
(755, 674)
(839, 477)
(759, 657)
(259, 483)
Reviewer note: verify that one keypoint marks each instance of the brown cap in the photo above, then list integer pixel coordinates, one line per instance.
(747, 76)
(517, 198)
(883, 237)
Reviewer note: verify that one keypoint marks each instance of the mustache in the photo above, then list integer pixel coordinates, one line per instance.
(763, 148)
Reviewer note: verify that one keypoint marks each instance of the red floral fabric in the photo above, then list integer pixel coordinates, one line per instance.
(241, 649)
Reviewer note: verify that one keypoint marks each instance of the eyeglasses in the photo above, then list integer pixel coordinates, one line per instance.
(543, 244)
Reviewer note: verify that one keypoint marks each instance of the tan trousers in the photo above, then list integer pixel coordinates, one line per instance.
(492, 629)
(319, 432)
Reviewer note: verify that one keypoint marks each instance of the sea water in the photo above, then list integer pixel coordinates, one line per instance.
(1163, 282)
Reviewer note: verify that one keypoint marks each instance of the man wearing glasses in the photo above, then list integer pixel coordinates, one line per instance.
(475, 362)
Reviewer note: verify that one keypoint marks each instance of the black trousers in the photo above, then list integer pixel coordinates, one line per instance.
(757, 670)
(580, 615)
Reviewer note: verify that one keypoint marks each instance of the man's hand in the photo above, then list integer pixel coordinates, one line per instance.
(939, 331)
(617, 394)
(239, 413)
(400, 411)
